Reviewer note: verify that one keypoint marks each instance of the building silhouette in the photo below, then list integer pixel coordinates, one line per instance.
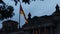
(43, 24)
(9, 26)
(36, 25)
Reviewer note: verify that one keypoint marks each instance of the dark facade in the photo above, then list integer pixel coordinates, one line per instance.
(44, 24)
(9, 26)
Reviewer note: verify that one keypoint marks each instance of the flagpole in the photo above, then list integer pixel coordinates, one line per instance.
(19, 20)
(19, 17)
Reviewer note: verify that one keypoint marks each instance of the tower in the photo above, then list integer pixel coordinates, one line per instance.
(57, 7)
(57, 11)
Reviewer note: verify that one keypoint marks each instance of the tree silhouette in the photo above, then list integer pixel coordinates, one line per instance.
(6, 12)
(16, 1)
(26, 1)
(1, 1)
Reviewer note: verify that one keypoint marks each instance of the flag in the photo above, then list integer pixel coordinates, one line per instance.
(22, 12)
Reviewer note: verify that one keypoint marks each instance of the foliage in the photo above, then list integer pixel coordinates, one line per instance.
(6, 12)
(25, 1)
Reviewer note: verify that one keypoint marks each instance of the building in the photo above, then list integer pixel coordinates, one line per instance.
(43, 24)
(9, 26)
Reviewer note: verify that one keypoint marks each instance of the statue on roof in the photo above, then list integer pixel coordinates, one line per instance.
(29, 15)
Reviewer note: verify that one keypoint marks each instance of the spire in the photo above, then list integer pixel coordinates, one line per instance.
(57, 7)
(29, 15)
(57, 11)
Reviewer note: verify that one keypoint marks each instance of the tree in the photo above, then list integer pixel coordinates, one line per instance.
(26, 1)
(1, 1)
(6, 12)
(16, 1)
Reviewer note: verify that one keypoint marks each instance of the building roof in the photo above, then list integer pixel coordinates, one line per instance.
(8, 21)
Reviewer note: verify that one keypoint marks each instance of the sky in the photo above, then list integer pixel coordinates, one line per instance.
(36, 8)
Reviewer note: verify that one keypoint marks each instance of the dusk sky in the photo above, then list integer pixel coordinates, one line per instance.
(36, 8)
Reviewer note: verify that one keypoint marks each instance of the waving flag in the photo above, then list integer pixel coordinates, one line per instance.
(22, 12)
